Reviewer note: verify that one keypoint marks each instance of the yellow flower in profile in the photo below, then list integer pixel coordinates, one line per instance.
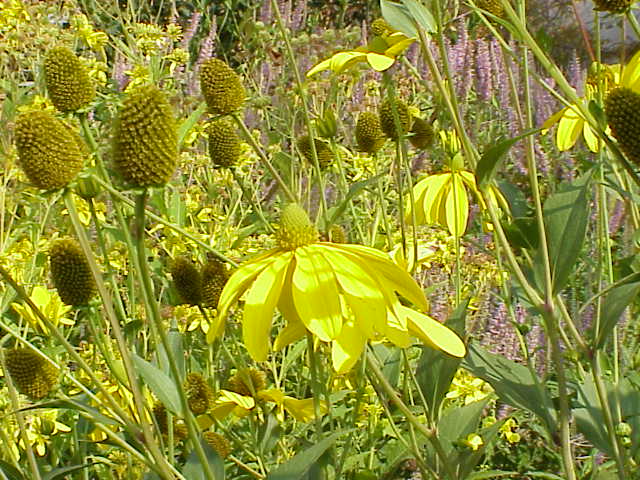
(507, 431)
(473, 441)
(341, 293)
(601, 79)
(380, 53)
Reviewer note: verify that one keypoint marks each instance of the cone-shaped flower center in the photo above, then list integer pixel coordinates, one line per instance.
(296, 229)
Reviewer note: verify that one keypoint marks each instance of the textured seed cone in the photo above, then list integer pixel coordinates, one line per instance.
(220, 444)
(199, 394)
(325, 155)
(145, 141)
(187, 280)
(613, 6)
(337, 234)
(422, 134)
(70, 272)
(494, 7)
(221, 87)
(214, 278)
(387, 119)
(296, 230)
(32, 374)
(622, 107)
(224, 143)
(369, 136)
(48, 150)
(239, 382)
(160, 414)
(380, 27)
(68, 82)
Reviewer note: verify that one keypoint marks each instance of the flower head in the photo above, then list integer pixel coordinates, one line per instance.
(369, 134)
(187, 280)
(32, 374)
(325, 155)
(67, 79)
(224, 143)
(70, 272)
(221, 87)
(341, 293)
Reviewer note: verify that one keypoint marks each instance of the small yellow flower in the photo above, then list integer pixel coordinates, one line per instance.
(96, 40)
(473, 441)
(507, 431)
(468, 388)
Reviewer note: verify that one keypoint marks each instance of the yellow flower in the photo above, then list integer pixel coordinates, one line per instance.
(40, 427)
(507, 431)
(380, 53)
(468, 388)
(49, 303)
(85, 32)
(341, 293)
(473, 441)
(570, 121)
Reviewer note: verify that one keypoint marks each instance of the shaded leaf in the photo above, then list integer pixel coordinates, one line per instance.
(613, 306)
(64, 471)
(194, 470)
(492, 158)
(189, 122)
(398, 17)
(159, 383)
(421, 15)
(458, 423)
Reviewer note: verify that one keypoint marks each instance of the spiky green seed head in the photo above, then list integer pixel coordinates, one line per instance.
(187, 280)
(337, 234)
(220, 444)
(296, 230)
(422, 134)
(613, 6)
(67, 79)
(379, 27)
(221, 87)
(224, 143)
(49, 151)
(325, 155)
(494, 7)
(622, 107)
(32, 375)
(198, 392)
(145, 146)
(214, 278)
(160, 413)
(369, 136)
(246, 378)
(387, 118)
(71, 273)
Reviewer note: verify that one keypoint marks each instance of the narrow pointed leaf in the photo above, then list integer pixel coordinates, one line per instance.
(159, 383)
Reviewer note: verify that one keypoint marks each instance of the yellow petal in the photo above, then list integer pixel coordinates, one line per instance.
(360, 290)
(379, 62)
(343, 60)
(434, 333)
(292, 332)
(259, 305)
(419, 189)
(235, 287)
(569, 129)
(552, 120)
(398, 45)
(397, 328)
(315, 293)
(227, 396)
(303, 410)
(347, 348)
(389, 275)
(590, 138)
(435, 198)
(631, 73)
(457, 207)
(323, 65)
(274, 395)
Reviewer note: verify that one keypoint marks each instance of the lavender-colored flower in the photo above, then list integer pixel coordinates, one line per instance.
(576, 74)
(194, 22)
(266, 15)
(483, 70)
(207, 47)
(617, 217)
(298, 17)
(120, 66)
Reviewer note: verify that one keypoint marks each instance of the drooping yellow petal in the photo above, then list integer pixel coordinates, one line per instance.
(389, 275)
(397, 328)
(235, 287)
(315, 293)
(569, 129)
(419, 189)
(379, 62)
(343, 60)
(274, 395)
(398, 45)
(360, 290)
(590, 138)
(457, 207)
(434, 333)
(631, 73)
(292, 332)
(433, 197)
(347, 348)
(323, 65)
(303, 410)
(552, 120)
(259, 305)
(244, 401)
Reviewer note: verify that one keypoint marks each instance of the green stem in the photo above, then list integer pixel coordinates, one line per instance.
(249, 196)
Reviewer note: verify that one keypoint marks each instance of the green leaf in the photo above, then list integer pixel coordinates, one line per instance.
(614, 305)
(457, 423)
(301, 463)
(354, 190)
(489, 474)
(194, 470)
(548, 476)
(159, 383)
(10, 471)
(269, 434)
(421, 15)
(435, 370)
(566, 215)
(515, 384)
(492, 158)
(177, 351)
(398, 17)
(189, 122)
